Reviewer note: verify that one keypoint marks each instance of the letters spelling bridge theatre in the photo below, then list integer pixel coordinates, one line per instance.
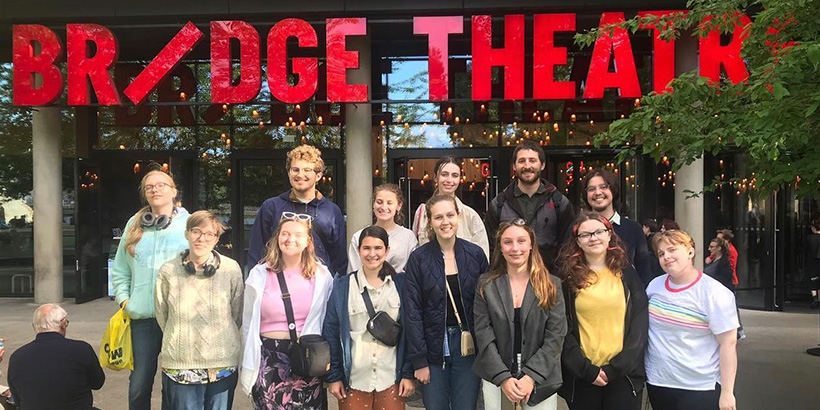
(218, 91)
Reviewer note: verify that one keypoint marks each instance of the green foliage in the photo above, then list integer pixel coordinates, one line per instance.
(773, 116)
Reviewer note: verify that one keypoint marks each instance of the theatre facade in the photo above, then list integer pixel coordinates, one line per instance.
(94, 94)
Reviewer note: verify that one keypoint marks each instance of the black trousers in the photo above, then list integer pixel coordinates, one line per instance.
(666, 398)
(616, 395)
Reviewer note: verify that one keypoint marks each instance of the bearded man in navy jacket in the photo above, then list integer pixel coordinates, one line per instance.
(303, 201)
(601, 191)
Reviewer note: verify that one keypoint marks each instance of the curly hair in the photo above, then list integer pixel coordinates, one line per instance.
(307, 153)
(575, 271)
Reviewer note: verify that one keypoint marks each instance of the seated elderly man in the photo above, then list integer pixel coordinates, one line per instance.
(53, 372)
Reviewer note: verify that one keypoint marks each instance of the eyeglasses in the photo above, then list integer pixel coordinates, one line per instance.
(295, 170)
(293, 216)
(198, 233)
(159, 186)
(585, 236)
(602, 187)
(66, 320)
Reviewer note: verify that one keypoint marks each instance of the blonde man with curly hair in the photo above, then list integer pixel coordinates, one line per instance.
(303, 201)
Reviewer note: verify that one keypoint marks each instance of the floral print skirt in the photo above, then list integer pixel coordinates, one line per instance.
(277, 388)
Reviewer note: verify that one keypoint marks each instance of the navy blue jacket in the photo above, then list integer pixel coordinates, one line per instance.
(631, 233)
(336, 331)
(329, 237)
(426, 297)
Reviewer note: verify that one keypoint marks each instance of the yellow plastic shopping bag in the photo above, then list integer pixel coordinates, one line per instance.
(115, 348)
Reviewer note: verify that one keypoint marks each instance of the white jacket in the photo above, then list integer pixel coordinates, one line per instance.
(251, 342)
(470, 226)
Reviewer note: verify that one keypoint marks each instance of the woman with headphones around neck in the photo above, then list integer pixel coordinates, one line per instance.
(198, 302)
(153, 236)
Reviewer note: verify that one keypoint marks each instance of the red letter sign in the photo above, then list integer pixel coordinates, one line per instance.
(222, 88)
(511, 57)
(163, 63)
(438, 30)
(25, 64)
(305, 67)
(712, 54)
(95, 69)
(663, 55)
(339, 60)
(625, 77)
(546, 56)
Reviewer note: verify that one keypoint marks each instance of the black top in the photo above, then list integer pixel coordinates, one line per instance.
(53, 372)
(517, 333)
(451, 316)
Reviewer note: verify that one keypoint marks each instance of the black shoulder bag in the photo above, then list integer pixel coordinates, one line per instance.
(380, 324)
(310, 354)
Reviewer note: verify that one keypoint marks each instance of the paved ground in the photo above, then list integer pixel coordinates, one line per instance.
(775, 372)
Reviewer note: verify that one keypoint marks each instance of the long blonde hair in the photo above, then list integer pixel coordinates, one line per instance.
(542, 283)
(134, 234)
(273, 255)
(428, 209)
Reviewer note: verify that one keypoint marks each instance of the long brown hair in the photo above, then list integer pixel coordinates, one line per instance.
(542, 284)
(440, 164)
(428, 208)
(134, 234)
(575, 271)
(273, 255)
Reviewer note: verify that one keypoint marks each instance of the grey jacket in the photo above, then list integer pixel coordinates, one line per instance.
(543, 332)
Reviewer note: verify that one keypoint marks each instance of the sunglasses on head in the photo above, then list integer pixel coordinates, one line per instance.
(293, 216)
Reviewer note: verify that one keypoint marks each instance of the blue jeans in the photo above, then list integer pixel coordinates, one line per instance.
(146, 340)
(453, 386)
(211, 396)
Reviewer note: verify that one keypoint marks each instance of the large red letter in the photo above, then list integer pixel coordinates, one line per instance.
(26, 64)
(438, 29)
(712, 54)
(339, 60)
(81, 67)
(163, 63)
(546, 56)
(511, 57)
(625, 76)
(307, 68)
(222, 88)
(663, 52)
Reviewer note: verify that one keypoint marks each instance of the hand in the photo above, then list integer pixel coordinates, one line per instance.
(337, 389)
(423, 375)
(510, 389)
(122, 304)
(601, 380)
(526, 384)
(406, 387)
(603, 375)
(727, 401)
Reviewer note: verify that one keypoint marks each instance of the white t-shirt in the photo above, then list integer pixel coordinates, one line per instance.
(683, 351)
(402, 242)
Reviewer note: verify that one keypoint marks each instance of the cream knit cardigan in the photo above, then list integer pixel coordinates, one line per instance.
(200, 317)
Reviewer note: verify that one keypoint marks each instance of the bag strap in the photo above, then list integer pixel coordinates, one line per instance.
(283, 286)
(453, 302)
(366, 296)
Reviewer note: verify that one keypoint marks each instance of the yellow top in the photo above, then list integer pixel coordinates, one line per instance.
(601, 309)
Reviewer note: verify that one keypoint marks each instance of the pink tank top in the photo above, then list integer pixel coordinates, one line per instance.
(273, 317)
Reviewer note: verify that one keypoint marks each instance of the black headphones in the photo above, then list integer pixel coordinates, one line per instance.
(208, 270)
(158, 221)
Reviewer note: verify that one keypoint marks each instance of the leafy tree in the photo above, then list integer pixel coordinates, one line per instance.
(773, 116)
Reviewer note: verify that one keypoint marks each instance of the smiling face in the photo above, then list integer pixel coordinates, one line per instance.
(202, 239)
(293, 238)
(528, 166)
(385, 206)
(593, 237)
(599, 194)
(516, 246)
(675, 259)
(448, 178)
(373, 253)
(159, 190)
(303, 175)
(444, 219)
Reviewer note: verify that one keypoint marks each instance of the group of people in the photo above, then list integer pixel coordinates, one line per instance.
(530, 303)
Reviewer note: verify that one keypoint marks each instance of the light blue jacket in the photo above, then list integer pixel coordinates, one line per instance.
(134, 277)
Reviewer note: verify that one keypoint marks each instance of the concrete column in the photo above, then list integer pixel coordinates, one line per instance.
(359, 144)
(689, 211)
(48, 207)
